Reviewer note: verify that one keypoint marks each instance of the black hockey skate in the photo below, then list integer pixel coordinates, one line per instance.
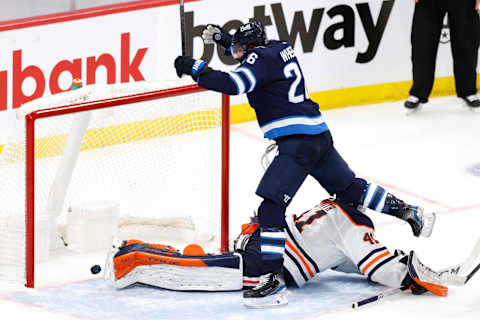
(413, 104)
(420, 222)
(270, 292)
(472, 101)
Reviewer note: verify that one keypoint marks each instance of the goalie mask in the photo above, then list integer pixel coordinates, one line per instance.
(249, 34)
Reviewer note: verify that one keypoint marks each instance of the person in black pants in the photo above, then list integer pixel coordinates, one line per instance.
(464, 32)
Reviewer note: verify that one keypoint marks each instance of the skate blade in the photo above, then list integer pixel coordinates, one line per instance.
(415, 110)
(428, 223)
(471, 109)
(277, 300)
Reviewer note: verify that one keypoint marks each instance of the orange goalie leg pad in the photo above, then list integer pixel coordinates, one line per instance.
(433, 288)
(193, 250)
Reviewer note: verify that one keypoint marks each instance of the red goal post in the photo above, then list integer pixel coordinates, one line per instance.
(32, 117)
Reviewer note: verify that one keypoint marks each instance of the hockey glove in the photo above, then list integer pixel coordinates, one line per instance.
(187, 65)
(215, 34)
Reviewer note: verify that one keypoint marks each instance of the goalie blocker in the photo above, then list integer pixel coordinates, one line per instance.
(329, 236)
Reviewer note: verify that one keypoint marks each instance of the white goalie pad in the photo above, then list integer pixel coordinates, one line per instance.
(184, 278)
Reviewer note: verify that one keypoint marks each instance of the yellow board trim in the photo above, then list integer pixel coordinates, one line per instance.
(377, 93)
(124, 133)
(331, 99)
(357, 96)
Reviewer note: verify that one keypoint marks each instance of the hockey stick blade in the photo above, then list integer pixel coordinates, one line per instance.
(460, 274)
(454, 279)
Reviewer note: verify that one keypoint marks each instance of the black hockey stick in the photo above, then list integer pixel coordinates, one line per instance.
(182, 27)
(380, 296)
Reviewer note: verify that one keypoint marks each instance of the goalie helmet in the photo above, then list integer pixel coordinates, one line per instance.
(249, 34)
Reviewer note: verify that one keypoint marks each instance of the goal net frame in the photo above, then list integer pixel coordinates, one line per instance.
(30, 120)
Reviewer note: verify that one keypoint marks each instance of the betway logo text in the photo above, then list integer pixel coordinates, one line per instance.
(128, 68)
(308, 35)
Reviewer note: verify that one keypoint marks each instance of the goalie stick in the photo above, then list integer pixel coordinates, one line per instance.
(457, 275)
(380, 296)
(460, 274)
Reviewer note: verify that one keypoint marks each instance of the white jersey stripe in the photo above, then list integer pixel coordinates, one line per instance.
(300, 120)
(370, 191)
(381, 203)
(238, 82)
(272, 249)
(250, 76)
(273, 235)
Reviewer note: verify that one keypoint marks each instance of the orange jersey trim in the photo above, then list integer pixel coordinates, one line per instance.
(346, 214)
(375, 260)
(300, 257)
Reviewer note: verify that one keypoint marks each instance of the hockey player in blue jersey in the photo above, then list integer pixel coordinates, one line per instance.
(270, 75)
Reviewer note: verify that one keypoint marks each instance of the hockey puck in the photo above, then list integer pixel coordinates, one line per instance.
(95, 269)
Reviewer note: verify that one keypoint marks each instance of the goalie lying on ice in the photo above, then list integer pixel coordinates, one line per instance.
(329, 236)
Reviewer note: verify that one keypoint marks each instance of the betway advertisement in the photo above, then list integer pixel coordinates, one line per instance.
(340, 44)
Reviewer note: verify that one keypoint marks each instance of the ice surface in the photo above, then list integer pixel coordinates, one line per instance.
(96, 297)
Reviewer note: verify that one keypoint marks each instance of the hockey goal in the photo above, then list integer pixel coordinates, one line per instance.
(158, 150)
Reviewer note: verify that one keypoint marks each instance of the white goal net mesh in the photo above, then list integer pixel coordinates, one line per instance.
(159, 160)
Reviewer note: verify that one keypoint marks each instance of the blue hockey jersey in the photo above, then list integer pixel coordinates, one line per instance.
(273, 81)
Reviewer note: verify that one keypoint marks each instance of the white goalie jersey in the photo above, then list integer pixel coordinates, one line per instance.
(331, 236)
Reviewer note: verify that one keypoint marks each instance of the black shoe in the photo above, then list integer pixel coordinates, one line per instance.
(412, 102)
(270, 292)
(473, 101)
